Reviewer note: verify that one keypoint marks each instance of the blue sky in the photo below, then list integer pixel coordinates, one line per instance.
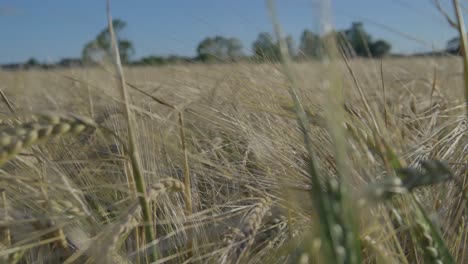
(51, 29)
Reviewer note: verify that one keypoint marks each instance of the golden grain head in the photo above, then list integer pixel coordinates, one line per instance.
(5, 140)
(31, 137)
(61, 128)
(78, 128)
(16, 137)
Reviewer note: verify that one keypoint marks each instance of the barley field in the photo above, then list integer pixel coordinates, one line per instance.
(219, 171)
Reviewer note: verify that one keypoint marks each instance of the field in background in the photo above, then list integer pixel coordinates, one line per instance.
(72, 197)
(49, 90)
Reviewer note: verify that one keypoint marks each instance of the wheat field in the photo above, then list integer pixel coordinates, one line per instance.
(226, 172)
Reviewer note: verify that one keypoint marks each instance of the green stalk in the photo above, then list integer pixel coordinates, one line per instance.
(132, 147)
(318, 194)
(326, 198)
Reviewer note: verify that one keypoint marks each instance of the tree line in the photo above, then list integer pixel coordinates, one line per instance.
(354, 41)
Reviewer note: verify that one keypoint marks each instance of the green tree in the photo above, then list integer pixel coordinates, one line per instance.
(291, 47)
(361, 42)
(208, 50)
(453, 46)
(265, 48)
(151, 60)
(219, 49)
(359, 39)
(234, 48)
(100, 47)
(178, 59)
(32, 62)
(380, 48)
(310, 45)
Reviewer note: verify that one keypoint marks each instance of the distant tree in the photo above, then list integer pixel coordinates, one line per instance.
(32, 62)
(265, 48)
(209, 50)
(162, 60)
(310, 45)
(234, 48)
(361, 42)
(380, 48)
(152, 60)
(101, 47)
(219, 49)
(291, 47)
(69, 62)
(453, 46)
(358, 39)
(126, 50)
(177, 59)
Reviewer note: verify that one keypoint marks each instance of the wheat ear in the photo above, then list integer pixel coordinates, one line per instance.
(132, 217)
(14, 138)
(244, 237)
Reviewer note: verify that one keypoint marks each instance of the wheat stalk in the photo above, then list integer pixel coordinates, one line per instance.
(132, 218)
(138, 177)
